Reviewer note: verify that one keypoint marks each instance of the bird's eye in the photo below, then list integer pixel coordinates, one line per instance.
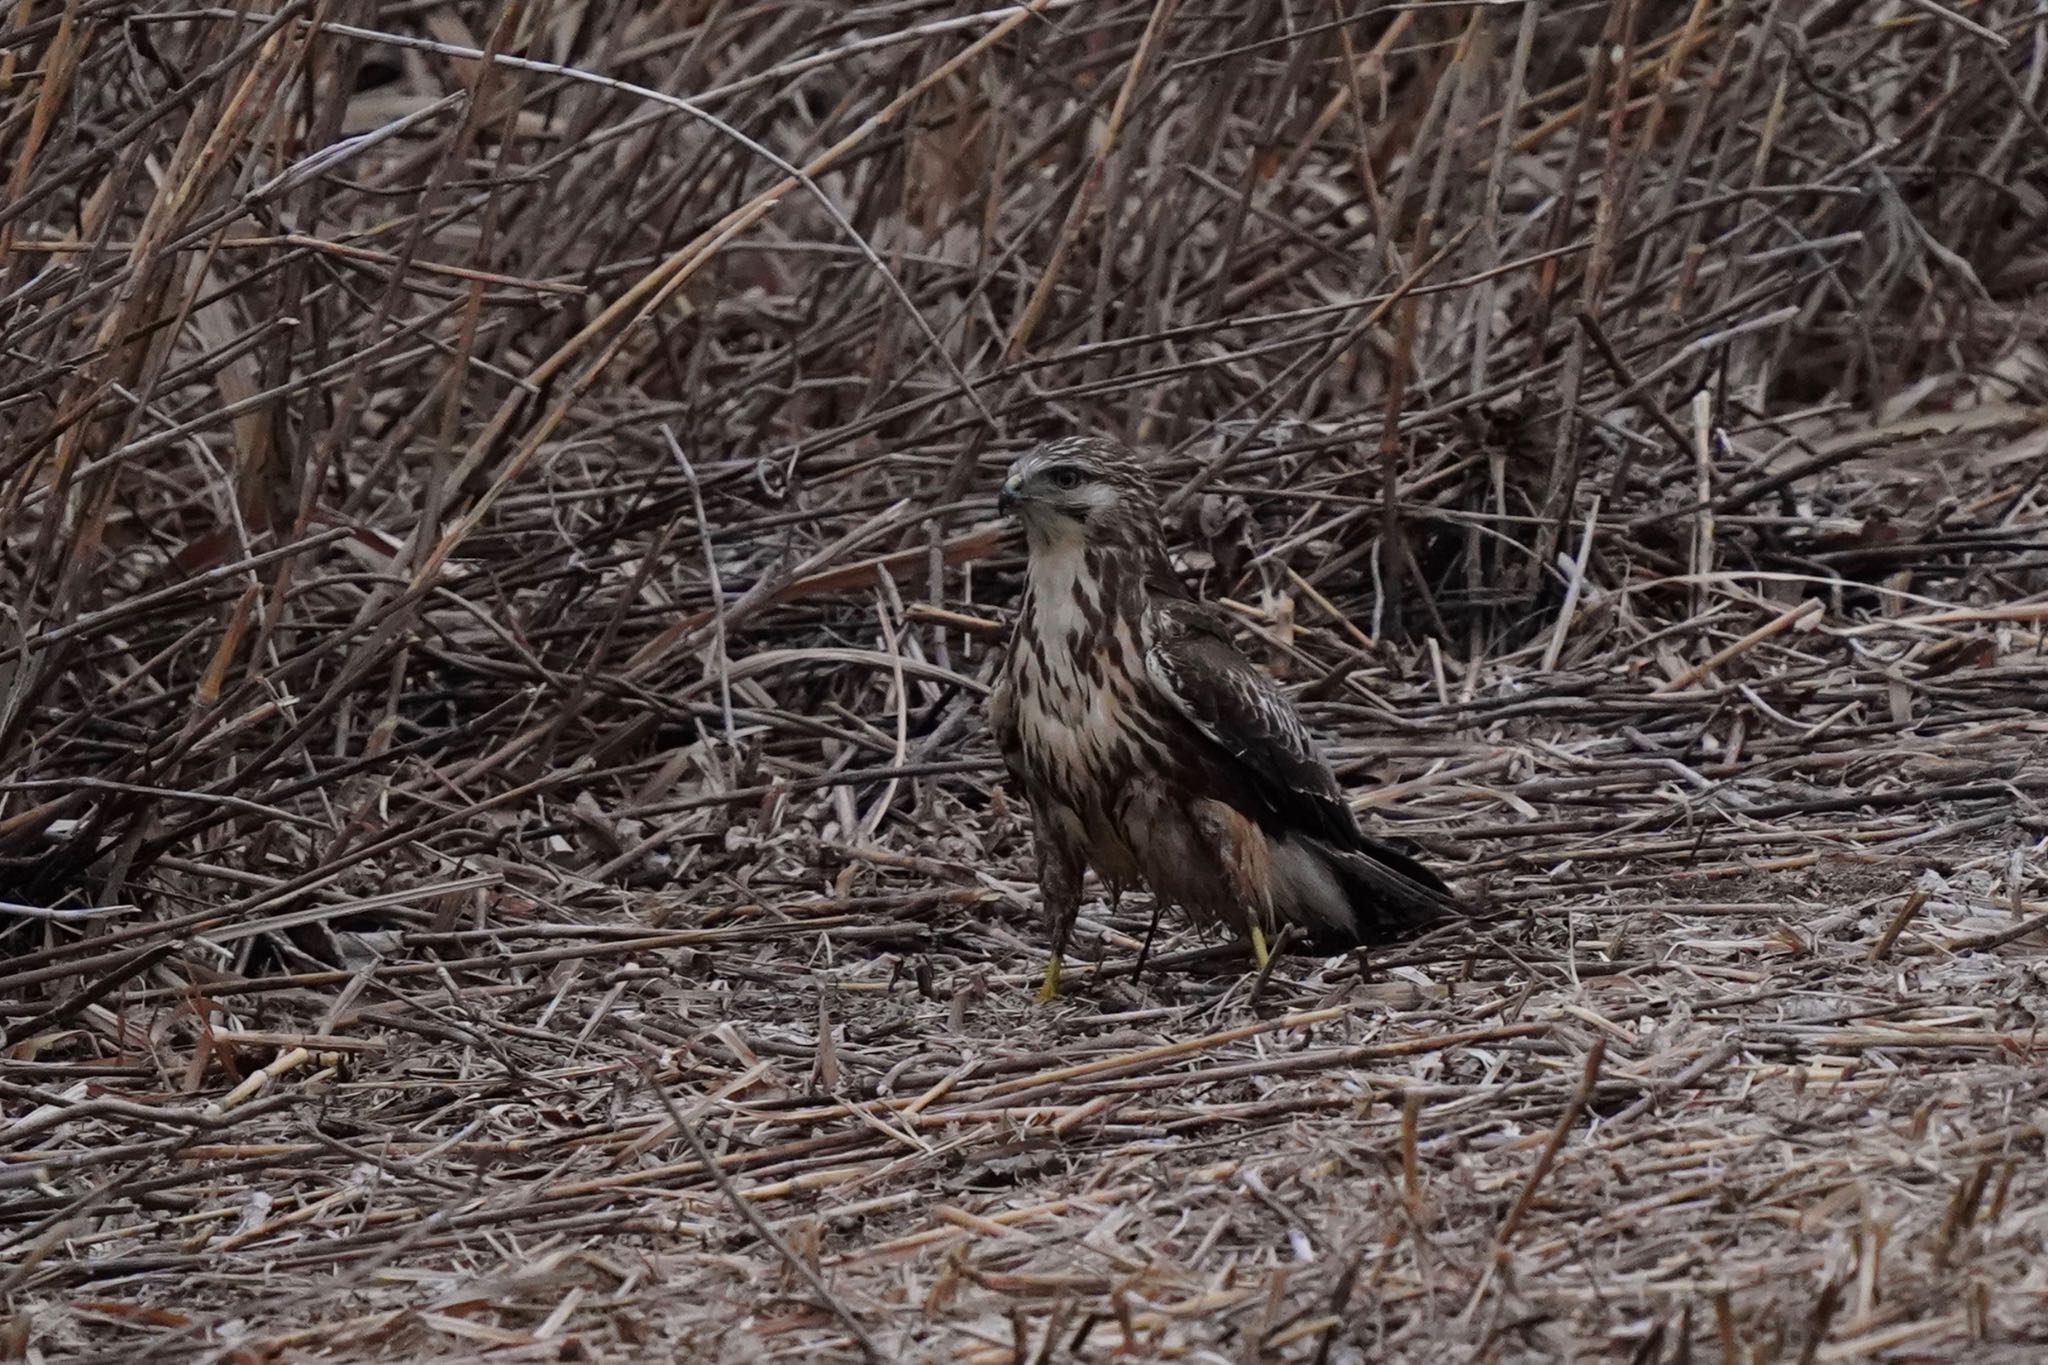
(1065, 478)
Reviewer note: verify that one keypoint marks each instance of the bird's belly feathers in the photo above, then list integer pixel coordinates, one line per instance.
(1081, 695)
(1087, 728)
(1082, 739)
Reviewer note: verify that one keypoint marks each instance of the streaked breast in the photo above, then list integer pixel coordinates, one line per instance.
(1077, 667)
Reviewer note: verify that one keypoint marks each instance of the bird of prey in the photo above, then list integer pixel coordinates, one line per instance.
(1152, 750)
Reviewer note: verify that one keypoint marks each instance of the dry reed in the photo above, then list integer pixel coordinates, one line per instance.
(498, 847)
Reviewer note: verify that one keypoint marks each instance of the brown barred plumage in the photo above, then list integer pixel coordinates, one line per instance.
(1151, 750)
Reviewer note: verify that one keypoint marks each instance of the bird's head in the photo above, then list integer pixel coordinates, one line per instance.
(1081, 488)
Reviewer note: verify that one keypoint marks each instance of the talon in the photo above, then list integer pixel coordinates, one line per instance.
(1051, 989)
(1260, 953)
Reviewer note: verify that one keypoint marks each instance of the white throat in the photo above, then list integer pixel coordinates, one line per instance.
(1059, 580)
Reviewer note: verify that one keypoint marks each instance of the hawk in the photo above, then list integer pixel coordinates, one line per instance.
(1153, 751)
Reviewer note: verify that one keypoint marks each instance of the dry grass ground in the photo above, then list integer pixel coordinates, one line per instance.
(499, 852)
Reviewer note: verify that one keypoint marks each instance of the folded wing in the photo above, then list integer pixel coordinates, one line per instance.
(1267, 766)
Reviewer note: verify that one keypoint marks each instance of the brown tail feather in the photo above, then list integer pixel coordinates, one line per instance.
(1392, 897)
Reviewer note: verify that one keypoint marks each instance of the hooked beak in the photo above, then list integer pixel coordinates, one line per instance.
(1006, 500)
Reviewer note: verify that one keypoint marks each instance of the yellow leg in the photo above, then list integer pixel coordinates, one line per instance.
(1260, 954)
(1051, 989)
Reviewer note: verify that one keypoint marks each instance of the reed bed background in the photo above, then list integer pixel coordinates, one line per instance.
(498, 583)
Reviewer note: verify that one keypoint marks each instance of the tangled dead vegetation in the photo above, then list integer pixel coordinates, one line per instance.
(499, 849)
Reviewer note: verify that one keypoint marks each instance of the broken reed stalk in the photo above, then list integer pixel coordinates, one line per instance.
(1552, 1145)
(824, 1298)
(1897, 925)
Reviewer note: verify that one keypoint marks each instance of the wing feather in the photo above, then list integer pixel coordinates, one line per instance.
(1238, 708)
